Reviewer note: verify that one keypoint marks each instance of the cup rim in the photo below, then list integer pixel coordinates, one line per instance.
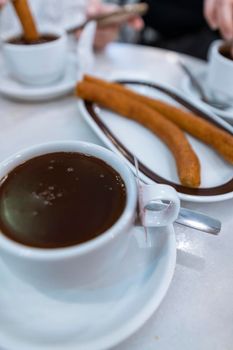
(220, 57)
(38, 47)
(42, 254)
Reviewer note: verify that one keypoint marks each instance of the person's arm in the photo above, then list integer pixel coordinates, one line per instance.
(219, 15)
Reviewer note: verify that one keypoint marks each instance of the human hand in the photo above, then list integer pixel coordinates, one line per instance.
(219, 15)
(109, 33)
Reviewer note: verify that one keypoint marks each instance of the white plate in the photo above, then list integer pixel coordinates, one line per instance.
(13, 89)
(155, 155)
(188, 87)
(96, 319)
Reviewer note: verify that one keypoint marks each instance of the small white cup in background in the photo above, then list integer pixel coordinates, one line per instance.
(39, 64)
(219, 73)
(84, 264)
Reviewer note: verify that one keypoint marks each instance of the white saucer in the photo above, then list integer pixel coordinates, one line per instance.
(94, 319)
(13, 89)
(154, 154)
(188, 87)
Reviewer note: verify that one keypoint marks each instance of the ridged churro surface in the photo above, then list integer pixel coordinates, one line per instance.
(186, 160)
(196, 126)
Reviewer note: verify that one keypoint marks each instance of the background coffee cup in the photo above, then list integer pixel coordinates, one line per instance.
(219, 73)
(81, 265)
(38, 64)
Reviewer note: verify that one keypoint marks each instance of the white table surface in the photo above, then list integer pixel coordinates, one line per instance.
(197, 312)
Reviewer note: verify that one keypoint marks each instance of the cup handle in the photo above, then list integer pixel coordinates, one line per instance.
(150, 213)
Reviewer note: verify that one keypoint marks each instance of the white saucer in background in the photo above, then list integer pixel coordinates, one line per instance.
(188, 87)
(94, 319)
(11, 88)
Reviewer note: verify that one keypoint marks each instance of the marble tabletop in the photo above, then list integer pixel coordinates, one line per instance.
(197, 312)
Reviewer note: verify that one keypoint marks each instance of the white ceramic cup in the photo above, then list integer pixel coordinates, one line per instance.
(219, 73)
(84, 264)
(39, 64)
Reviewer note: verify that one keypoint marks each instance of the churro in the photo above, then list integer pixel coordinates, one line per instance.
(203, 130)
(187, 163)
(24, 14)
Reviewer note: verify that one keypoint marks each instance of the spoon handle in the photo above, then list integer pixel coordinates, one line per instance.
(186, 217)
(194, 81)
(198, 221)
(191, 219)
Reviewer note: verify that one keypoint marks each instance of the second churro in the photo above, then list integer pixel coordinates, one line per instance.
(186, 160)
(203, 130)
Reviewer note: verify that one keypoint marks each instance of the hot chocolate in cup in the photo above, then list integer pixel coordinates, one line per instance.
(39, 63)
(219, 73)
(66, 213)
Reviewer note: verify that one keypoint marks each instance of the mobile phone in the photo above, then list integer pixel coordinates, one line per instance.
(121, 15)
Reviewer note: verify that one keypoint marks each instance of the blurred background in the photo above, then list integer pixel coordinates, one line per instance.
(177, 25)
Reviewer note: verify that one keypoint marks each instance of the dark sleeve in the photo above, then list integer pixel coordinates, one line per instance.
(175, 17)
